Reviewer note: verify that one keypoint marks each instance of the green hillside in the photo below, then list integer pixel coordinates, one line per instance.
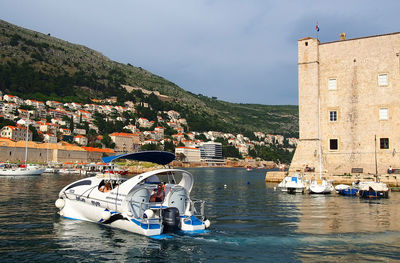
(39, 66)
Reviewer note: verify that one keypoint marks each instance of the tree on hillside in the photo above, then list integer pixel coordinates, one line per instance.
(150, 147)
(181, 157)
(107, 141)
(231, 151)
(169, 146)
(35, 135)
(6, 122)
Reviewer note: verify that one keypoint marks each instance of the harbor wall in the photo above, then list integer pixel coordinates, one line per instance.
(41, 155)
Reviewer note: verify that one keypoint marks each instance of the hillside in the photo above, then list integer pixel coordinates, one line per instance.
(36, 65)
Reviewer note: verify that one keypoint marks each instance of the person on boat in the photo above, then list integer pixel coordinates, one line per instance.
(390, 170)
(106, 187)
(160, 193)
(153, 196)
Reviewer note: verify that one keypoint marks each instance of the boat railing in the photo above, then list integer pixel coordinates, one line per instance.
(197, 208)
(156, 207)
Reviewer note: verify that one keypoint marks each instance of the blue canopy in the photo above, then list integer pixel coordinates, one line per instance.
(158, 157)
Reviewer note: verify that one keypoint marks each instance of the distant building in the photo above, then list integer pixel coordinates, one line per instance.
(17, 133)
(81, 140)
(50, 138)
(125, 142)
(190, 154)
(349, 94)
(211, 151)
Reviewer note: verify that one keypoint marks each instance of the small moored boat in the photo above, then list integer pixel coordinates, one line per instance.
(293, 184)
(8, 169)
(150, 203)
(322, 186)
(372, 189)
(346, 190)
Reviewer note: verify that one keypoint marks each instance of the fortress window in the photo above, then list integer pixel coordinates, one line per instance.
(333, 115)
(383, 114)
(333, 144)
(384, 142)
(306, 43)
(383, 79)
(332, 84)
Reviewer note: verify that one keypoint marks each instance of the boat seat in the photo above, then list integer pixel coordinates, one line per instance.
(140, 201)
(177, 197)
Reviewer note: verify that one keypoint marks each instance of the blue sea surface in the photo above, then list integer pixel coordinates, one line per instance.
(250, 223)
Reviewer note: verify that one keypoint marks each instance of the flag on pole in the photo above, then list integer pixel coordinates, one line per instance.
(317, 27)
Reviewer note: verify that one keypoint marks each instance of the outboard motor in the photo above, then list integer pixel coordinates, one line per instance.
(171, 219)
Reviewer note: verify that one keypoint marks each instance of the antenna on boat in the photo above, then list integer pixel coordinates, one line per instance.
(319, 138)
(376, 163)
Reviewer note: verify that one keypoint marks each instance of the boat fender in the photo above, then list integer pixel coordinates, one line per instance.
(60, 203)
(207, 223)
(105, 215)
(148, 213)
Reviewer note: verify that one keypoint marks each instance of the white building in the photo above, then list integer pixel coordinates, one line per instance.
(191, 154)
(17, 133)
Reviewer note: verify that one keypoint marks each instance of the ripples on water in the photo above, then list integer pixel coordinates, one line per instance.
(250, 223)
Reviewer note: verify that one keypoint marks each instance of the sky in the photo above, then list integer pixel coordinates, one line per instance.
(241, 51)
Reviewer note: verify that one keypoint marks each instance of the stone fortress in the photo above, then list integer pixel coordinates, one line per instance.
(349, 97)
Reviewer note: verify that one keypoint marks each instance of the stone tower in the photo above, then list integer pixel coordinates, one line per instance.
(349, 93)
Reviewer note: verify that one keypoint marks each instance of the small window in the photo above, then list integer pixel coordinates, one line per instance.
(84, 182)
(384, 114)
(333, 144)
(306, 43)
(332, 84)
(333, 115)
(383, 79)
(384, 143)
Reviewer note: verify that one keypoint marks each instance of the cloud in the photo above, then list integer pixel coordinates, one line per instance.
(239, 51)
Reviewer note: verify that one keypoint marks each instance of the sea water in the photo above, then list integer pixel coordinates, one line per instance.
(250, 223)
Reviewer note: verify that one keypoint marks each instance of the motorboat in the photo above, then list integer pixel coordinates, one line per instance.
(346, 190)
(8, 169)
(322, 186)
(52, 168)
(372, 189)
(67, 170)
(293, 184)
(150, 204)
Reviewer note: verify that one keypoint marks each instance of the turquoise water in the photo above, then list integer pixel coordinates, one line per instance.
(250, 223)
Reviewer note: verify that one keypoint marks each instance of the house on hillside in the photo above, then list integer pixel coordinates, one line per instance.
(81, 140)
(17, 133)
(125, 142)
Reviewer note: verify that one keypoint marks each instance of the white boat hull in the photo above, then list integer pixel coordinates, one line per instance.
(79, 210)
(292, 184)
(323, 187)
(21, 172)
